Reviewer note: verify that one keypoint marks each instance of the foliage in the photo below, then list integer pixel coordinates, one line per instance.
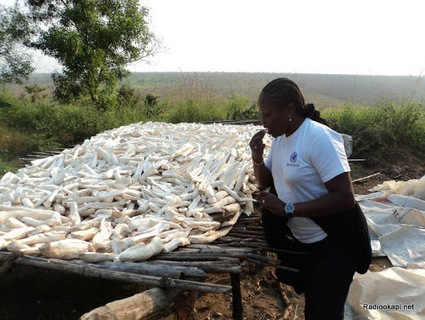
(94, 40)
(237, 109)
(35, 92)
(5, 166)
(15, 63)
(13, 144)
(190, 112)
(196, 111)
(127, 97)
(52, 126)
(381, 130)
(151, 106)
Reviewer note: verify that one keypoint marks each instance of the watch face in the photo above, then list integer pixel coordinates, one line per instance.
(289, 207)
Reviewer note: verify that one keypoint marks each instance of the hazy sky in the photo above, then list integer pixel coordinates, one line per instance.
(379, 37)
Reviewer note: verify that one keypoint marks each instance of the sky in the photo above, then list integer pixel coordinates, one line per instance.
(362, 37)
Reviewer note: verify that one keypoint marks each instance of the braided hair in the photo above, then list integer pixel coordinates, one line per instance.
(284, 91)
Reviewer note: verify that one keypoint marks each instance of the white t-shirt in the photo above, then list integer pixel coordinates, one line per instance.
(300, 165)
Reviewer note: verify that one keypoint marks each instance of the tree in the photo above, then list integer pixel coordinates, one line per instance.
(93, 40)
(15, 61)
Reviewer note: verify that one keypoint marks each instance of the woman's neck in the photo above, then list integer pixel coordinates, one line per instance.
(295, 124)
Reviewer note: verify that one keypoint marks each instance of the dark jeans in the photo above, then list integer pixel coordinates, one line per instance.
(325, 270)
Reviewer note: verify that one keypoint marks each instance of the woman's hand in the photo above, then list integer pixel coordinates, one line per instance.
(261, 172)
(270, 202)
(257, 146)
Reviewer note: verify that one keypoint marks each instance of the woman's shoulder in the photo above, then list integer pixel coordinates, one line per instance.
(318, 128)
(319, 134)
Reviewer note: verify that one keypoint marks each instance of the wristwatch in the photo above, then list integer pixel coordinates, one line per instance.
(289, 209)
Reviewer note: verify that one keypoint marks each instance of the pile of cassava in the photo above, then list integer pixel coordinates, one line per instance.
(130, 193)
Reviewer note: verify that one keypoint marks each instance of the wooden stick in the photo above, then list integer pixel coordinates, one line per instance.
(7, 265)
(244, 233)
(136, 307)
(207, 266)
(216, 249)
(157, 270)
(91, 271)
(177, 256)
(285, 300)
(367, 177)
(264, 259)
(287, 268)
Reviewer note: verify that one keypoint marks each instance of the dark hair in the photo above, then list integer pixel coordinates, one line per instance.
(285, 91)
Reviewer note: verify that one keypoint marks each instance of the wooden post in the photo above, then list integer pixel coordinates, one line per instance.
(136, 307)
(237, 297)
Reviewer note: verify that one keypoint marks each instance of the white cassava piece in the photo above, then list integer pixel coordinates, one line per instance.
(130, 193)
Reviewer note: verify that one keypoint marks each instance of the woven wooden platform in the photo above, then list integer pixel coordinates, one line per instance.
(187, 268)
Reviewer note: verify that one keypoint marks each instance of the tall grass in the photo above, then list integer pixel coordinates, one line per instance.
(210, 109)
(50, 124)
(196, 111)
(13, 144)
(381, 130)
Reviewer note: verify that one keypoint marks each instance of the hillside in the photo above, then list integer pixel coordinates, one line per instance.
(321, 89)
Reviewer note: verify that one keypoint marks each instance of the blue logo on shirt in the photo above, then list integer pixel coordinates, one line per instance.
(293, 159)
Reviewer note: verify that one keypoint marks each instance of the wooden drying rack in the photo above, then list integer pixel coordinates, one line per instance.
(184, 269)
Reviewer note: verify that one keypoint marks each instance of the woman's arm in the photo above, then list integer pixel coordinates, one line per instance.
(340, 196)
(261, 172)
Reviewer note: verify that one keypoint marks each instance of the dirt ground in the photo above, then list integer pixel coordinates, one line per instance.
(30, 293)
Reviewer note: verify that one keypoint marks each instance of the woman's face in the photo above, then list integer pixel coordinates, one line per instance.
(274, 118)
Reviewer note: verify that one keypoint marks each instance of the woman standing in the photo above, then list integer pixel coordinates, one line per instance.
(308, 171)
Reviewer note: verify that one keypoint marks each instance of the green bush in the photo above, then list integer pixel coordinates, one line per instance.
(416, 132)
(65, 125)
(151, 106)
(378, 131)
(238, 109)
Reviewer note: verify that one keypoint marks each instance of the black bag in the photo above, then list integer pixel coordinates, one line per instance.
(348, 229)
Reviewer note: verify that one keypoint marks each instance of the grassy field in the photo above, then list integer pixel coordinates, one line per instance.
(321, 89)
(383, 114)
